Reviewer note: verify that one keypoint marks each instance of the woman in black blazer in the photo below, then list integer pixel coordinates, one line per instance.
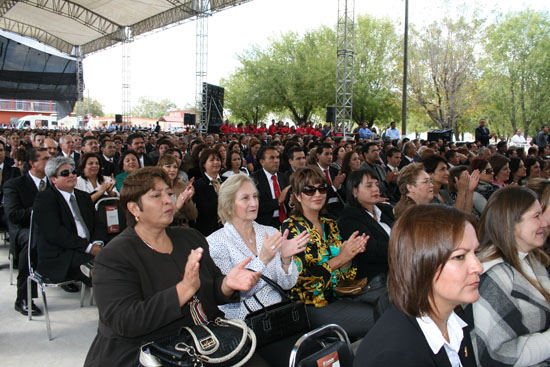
(433, 270)
(365, 213)
(206, 192)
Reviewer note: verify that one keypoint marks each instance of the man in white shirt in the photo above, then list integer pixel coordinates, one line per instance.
(392, 132)
(517, 139)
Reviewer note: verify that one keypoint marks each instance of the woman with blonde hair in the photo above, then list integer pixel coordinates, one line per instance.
(512, 316)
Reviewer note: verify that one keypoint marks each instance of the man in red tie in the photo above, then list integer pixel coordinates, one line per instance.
(335, 180)
(272, 187)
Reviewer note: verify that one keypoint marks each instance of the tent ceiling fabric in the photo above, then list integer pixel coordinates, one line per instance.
(80, 27)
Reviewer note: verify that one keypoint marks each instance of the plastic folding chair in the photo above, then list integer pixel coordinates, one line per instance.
(336, 353)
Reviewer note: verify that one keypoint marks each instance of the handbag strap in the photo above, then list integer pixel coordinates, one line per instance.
(275, 286)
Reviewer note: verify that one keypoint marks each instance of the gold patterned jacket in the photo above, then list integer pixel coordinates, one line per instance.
(317, 280)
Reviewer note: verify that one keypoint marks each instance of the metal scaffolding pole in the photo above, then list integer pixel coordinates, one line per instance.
(203, 12)
(345, 50)
(126, 36)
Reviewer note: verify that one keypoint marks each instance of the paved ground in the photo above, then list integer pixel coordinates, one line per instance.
(25, 343)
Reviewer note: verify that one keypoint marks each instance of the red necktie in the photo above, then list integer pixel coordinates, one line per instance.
(277, 189)
(329, 182)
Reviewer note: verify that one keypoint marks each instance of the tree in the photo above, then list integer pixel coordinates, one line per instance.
(242, 99)
(518, 69)
(377, 70)
(88, 106)
(443, 75)
(152, 109)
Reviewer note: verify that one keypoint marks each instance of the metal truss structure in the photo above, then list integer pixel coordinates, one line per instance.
(92, 25)
(345, 49)
(79, 77)
(201, 63)
(126, 75)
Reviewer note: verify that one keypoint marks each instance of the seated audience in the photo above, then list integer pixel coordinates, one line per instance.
(151, 277)
(65, 227)
(533, 170)
(517, 171)
(91, 180)
(367, 214)
(241, 237)
(485, 185)
(182, 193)
(512, 316)
(433, 271)
(327, 259)
(501, 169)
(415, 185)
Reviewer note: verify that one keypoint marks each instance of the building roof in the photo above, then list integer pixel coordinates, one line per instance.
(80, 27)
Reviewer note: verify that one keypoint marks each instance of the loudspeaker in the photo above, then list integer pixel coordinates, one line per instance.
(118, 119)
(331, 114)
(445, 135)
(213, 96)
(189, 118)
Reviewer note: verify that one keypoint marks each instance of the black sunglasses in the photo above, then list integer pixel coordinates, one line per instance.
(67, 172)
(310, 190)
(487, 171)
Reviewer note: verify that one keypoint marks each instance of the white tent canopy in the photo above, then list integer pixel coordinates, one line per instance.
(81, 27)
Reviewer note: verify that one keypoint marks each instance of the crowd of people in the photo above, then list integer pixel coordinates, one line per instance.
(455, 232)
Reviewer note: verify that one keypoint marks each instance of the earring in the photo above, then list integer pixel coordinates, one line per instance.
(137, 218)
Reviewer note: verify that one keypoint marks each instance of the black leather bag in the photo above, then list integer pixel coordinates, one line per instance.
(220, 343)
(278, 321)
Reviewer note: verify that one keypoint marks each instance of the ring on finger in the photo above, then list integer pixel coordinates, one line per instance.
(273, 247)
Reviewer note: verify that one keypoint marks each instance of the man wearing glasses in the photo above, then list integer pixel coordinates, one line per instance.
(65, 225)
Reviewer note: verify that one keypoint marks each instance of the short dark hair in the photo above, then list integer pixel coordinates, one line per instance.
(391, 151)
(323, 146)
(365, 148)
(450, 154)
(293, 150)
(123, 155)
(261, 153)
(207, 153)
(477, 163)
(431, 162)
(33, 153)
(134, 136)
(421, 242)
(86, 138)
(82, 165)
(137, 184)
(353, 181)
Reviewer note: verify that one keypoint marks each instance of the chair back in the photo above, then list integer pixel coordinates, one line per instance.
(338, 353)
(103, 208)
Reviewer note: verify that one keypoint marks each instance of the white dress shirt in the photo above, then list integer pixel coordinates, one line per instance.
(228, 249)
(435, 338)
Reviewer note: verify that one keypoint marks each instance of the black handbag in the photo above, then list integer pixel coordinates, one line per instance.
(278, 321)
(223, 343)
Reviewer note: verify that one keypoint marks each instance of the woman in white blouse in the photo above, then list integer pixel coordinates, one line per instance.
(241, 237)
(91, 180)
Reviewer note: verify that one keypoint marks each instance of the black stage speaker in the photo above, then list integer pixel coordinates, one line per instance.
(118, 119)
(445, 135)
(331, 114)
(212, 96)
(189, 118)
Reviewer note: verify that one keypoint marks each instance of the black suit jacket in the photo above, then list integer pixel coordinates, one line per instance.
(335, 198)
(397, 340)
(76, 158)
(54, 231)
(8, 172)
(19, 194)
(267, 204)
(375, 258)
(109, 168)
(206, 201)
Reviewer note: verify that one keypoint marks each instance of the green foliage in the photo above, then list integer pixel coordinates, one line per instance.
(152, 109)
(517, 77)
(88, 105)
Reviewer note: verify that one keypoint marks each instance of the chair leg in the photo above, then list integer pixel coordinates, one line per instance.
(29, 297)
(10, 258)
(46, 312)
(82, 294)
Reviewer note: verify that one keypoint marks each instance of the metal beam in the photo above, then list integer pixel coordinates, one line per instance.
(345, 50)
(77, 13)
(36, 33)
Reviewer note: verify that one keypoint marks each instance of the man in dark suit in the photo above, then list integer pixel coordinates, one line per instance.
(136, 142)
(296, 160)
(7, 172)
(19, 194)
(409, 154)
(107, 156)
(387, 180)
(67, 232)
(273, 189)
(66, 143)
(335, 180)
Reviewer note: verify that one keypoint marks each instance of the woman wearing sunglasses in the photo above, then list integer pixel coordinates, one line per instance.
(485, 187)
(327, 258)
